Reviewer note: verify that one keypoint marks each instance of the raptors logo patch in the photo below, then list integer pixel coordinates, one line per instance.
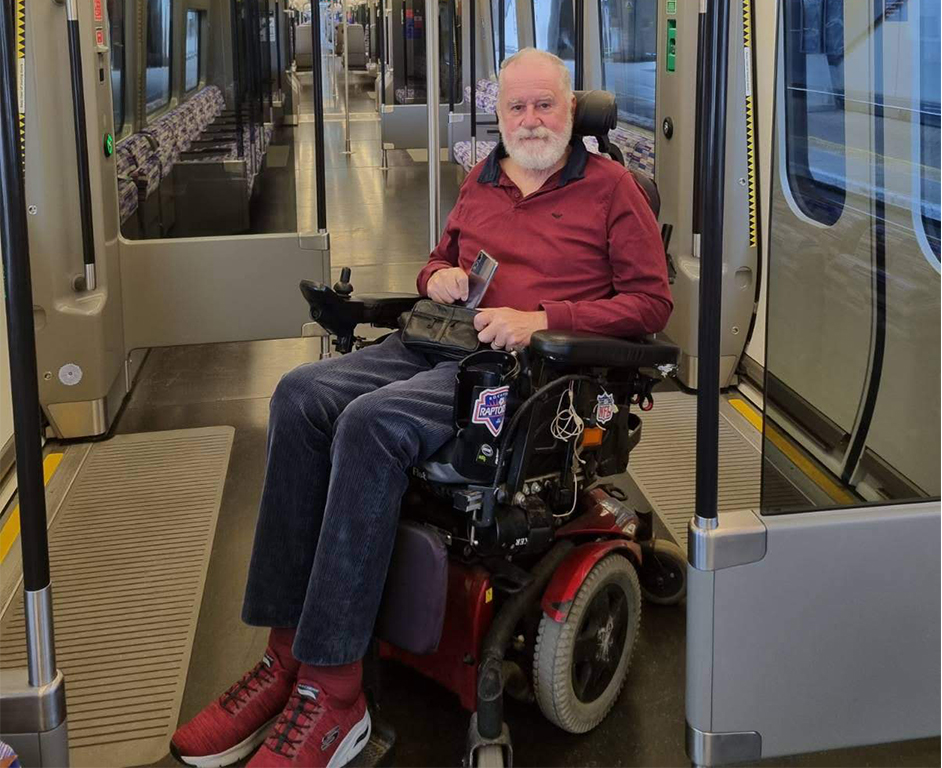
(490, 407)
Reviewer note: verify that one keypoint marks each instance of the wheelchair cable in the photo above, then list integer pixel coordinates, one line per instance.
(524, 407)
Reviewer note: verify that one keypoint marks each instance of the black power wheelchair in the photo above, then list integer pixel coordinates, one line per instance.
(514, 567)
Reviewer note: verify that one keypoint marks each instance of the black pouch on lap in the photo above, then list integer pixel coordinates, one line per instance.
(443, 330)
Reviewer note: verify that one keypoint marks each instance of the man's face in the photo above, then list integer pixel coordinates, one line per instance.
(535, 117)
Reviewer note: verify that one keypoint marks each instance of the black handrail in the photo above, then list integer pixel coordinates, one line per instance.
(266, 70)
(81, 147)
(237, 76)
(452, 58)
(501, 33)
(713, 153)
(14, 239)
(278, 43)
(472, 61)
(318, 88)
(381, 39)
(579, 11)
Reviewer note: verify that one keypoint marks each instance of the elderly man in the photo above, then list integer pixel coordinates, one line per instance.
(579, 249)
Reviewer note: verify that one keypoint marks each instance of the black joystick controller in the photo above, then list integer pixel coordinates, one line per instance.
(342, 287)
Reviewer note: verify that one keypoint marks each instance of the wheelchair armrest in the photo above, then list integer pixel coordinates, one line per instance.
(594, 350)
(340, 315)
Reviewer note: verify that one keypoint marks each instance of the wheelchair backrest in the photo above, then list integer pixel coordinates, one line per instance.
(596, 115)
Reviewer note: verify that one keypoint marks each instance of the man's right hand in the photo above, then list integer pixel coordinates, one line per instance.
(446, 286)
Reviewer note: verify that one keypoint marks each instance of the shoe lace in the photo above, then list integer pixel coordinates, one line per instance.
(300, 713)
(251, 682)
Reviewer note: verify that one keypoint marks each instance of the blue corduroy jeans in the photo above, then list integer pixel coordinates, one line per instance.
(342, 434)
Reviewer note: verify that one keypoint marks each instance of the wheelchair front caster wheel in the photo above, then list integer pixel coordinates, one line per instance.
(663, 572)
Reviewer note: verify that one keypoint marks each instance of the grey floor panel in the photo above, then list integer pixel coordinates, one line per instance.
(129, 551)
(664, 464)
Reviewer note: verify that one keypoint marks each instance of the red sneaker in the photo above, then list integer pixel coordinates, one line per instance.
(315, 731)
(237, 722)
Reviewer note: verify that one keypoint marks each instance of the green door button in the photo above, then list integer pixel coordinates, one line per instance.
(671, 44)
(109, 145)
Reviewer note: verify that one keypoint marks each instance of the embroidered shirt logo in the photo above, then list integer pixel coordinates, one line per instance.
(557, 215)
(330, 737)
(489, 409)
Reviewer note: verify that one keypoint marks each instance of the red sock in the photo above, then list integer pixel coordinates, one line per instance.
(343, 682)
(280, 640)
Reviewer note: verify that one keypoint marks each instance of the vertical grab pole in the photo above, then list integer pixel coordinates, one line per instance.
(501, 33)
(278, 18)
(14, 239)
(81, 148)
(346, 82)
(317, 72)
(432, 101)
(237, 76)
(381, 43)
(579, 12)
(715, 60)
(472, 60)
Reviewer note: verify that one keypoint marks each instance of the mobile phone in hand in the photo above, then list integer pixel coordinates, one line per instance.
(479, 278)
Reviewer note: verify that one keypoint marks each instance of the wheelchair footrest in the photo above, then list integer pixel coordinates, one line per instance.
(379, 750)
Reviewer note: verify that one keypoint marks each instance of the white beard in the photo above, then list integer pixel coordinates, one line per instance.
(538, 149)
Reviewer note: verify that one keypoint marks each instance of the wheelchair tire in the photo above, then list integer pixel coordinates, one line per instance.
(663, 572)
(580, 664)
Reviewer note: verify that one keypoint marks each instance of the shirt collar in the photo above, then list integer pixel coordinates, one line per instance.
(572, 170)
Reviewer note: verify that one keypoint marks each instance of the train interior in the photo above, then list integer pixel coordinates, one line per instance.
(167, 310)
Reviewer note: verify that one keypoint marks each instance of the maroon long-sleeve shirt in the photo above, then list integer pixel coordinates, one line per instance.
(585, 247)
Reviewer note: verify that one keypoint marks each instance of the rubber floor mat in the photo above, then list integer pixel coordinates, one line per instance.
(129, 551)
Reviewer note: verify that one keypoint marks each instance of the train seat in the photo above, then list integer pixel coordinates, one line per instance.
(485, 96)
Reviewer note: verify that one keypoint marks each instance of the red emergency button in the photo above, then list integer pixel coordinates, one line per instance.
(100, 37)
(98, 12)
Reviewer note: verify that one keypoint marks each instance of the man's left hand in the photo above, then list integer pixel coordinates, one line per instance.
(505, 328)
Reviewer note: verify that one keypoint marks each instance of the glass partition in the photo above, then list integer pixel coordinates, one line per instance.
(628, 31)
(508, 10)
(157, 82)
(191, 65)
(116, 26)
(555, 27)
(853, 324)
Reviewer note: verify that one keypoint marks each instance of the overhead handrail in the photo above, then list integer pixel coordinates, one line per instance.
(90, 281)
(714, 61)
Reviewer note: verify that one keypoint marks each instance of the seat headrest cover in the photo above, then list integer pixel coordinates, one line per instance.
(596, 113)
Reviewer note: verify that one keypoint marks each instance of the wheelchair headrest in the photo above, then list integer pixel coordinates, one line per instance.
(596, 113)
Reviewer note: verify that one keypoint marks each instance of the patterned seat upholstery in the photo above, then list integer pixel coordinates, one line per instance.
(636, 146)
(144, 158)
(485, 96)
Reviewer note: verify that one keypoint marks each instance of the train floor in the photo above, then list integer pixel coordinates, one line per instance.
(377, 226)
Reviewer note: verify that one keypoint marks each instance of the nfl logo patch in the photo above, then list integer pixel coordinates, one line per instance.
(489, 409)
(605, 409)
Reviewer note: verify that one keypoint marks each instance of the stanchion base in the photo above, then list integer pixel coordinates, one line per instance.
(33, 720)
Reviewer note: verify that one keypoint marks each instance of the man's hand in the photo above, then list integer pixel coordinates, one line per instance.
(446, 286)
(506, 328)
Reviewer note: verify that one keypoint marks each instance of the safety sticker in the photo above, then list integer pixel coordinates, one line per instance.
(606, 408)
(490, 407)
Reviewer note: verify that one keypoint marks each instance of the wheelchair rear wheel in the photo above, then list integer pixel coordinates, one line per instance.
(580, 664)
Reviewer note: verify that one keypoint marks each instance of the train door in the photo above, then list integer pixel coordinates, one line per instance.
(816, 626)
